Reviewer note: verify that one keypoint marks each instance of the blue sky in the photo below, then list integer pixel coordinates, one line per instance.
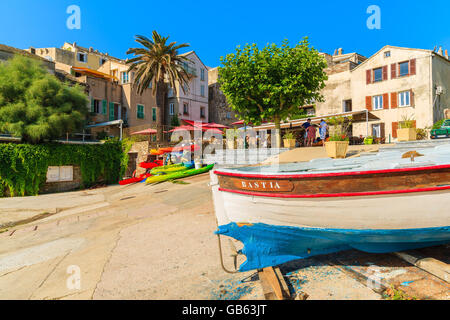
(215, 28)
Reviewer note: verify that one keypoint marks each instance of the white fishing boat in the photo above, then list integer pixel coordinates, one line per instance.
(383, 202)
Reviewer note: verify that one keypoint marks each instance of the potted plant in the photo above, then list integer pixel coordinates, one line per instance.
(231, 136)
(289, 140)
(406, 130)
(337, 144)
(368, 140)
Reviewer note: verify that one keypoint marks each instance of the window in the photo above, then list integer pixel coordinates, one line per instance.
(154, 114)
(347, 106)
(124, 77)
(377, 74)
(377, 102)
(185, 108)
(228, 115)
(404, 68)
(170, 93)
(96, 106)
(202, 112)
(82, 57)
(102, 61)
(202, 90)
(387, 54)
(404, 99)
(140, 111)
(376, 130)
(202, 74)
(171, 109)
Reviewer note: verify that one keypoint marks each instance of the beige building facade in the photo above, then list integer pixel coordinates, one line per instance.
(109, 86)
(394, 85)
(192, 104)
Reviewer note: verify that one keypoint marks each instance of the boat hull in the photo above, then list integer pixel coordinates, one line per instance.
(276, 229)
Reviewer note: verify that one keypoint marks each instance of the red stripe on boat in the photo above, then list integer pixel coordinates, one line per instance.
(330, 195)
(332, 174)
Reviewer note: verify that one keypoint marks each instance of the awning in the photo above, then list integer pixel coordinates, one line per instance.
(94, 73)
(358, 116)
(106, 124)
(146, 131)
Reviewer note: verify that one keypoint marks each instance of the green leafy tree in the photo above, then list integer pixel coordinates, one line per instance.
(272, 83)
(156, 62)
(35, 105)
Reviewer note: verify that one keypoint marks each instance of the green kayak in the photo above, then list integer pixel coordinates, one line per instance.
(178, 174)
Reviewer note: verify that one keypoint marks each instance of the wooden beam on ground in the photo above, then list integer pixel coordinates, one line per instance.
(273, 283)
(436, 267)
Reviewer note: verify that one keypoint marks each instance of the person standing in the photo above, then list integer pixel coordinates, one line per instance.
(305, 126)
(310, 135)
(323, 130)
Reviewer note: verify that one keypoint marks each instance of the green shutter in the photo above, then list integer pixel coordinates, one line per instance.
(104, 106)
(154, 114)
(92, 105)
(111, 111)
(140, 111)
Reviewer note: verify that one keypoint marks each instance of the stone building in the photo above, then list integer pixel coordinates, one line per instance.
(219, 110)
(7, 52)
(394, 84)
(109, 86)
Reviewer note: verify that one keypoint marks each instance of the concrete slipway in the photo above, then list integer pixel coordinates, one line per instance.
(157, 242)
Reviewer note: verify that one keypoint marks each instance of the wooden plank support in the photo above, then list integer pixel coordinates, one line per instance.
(273, 284)
(435, 267)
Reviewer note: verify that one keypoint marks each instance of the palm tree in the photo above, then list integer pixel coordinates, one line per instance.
(155, 63)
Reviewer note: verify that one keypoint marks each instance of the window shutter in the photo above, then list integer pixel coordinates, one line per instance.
(369, 103)
(394, 102)
(393, 71)
(385, 73)
(368, 76)
(414, 124)
(104, 106)
(92, 105)
(386, 101)
(111, 111)
(412, 67)
(411, 98)
(394, 129)
(382, 130)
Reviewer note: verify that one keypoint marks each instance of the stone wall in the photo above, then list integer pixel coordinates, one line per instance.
(63, 186)
(142, 149)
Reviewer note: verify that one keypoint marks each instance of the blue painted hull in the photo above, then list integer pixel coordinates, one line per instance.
(269, 245)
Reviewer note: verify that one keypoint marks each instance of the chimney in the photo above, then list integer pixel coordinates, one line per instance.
(440, 51)
(446, 54)
(340, 51)
(91, 49)
(335, 52)
(74, 44)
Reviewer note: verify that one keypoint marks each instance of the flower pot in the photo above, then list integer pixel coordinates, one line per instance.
(198, 164)
(230, 144)
(368, 141)
(407, 134)
(289, 143)
(336, 149)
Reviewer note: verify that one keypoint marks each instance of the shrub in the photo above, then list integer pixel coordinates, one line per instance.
(35, 105)
(23, 167)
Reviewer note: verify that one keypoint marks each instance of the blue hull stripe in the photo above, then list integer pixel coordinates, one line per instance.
(268, 245)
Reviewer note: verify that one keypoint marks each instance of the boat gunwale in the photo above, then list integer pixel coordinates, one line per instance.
(328, 174)
(336, 195)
